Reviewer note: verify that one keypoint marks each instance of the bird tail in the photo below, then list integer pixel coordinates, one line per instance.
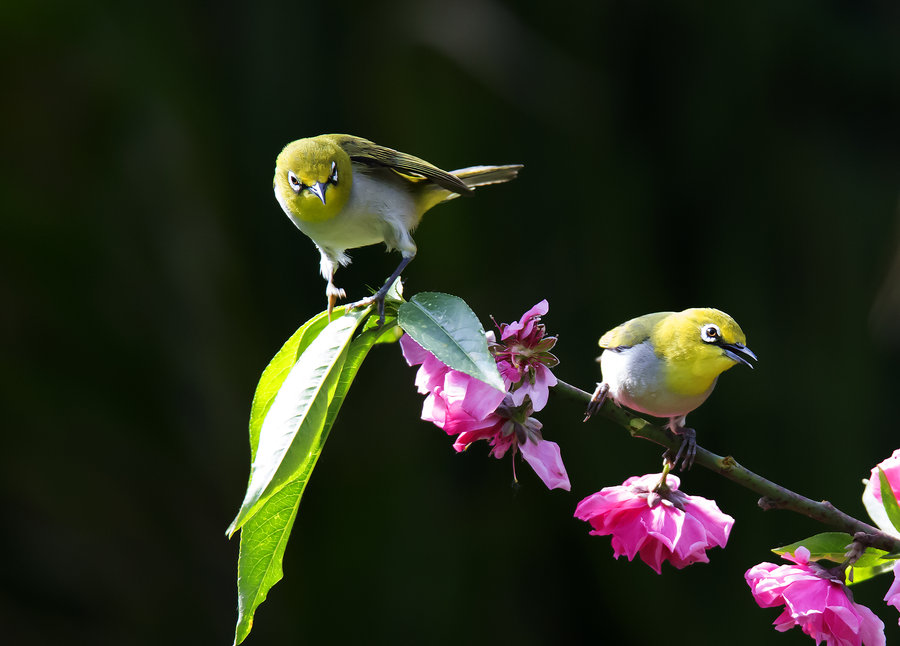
(475, 176)
(472, 177)
(483, 175)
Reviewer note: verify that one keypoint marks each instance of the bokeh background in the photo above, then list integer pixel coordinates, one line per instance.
(738, 155)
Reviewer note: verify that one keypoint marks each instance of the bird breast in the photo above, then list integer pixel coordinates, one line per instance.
(376, 211)
(637, 379)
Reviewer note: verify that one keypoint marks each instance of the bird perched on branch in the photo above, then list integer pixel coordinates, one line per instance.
(666, 364)
(346, 192)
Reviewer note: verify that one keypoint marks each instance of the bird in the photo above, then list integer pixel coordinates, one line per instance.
(666, 364)
(345, 192)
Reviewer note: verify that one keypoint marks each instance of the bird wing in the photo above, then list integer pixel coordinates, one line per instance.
(366, 152)
(632, 332)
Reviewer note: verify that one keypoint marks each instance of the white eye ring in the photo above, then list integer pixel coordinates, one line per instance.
(710, 333)
(334, 174)
(296, 184)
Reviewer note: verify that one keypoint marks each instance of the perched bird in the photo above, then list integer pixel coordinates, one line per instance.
(346, 192)
(666, 364)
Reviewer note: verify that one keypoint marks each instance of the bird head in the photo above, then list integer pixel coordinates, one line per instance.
(312, 179)
(700, 343)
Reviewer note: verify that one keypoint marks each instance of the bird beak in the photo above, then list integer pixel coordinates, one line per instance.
(739, 352)
(318, 189)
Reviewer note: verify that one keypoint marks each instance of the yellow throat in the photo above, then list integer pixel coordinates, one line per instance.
(691, 361)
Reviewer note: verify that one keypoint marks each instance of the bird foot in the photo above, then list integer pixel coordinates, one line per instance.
(374, 299)
(687, 452)
(597, 400)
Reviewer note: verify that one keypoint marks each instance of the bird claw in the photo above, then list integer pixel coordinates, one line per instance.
(374, 299)
(687, 452)
(597, 400)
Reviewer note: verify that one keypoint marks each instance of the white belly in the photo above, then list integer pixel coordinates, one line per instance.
(636, 380)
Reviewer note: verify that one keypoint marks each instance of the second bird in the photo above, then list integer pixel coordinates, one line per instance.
(346, 192)
(666, 364)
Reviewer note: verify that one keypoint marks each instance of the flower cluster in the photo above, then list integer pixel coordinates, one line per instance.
(524, 359)
(815, 599)
(656, 521)
(472, 410)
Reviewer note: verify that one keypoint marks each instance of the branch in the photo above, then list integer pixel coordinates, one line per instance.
(774, 496)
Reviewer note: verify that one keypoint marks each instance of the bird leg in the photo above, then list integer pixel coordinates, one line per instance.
(687, 452)
(378, 297)
(597, 400)
(333, 293)
(327, 264)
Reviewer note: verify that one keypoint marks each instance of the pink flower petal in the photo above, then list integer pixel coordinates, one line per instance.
(476, 398)
(893, 594)
(525, 324)
(412, 351)
(543, 381)
(544, 457)
(434, 410)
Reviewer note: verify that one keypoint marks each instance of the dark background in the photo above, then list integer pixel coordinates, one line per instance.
(737, 155)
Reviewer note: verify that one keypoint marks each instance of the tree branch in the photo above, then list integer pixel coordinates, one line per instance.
(774, 496)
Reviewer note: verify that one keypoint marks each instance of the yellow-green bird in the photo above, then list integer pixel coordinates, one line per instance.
(346, 192)
(666, 364)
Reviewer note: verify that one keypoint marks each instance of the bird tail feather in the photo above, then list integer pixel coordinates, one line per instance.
(473, 176)
(484, 175)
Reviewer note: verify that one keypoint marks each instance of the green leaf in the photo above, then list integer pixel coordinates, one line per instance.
(291, 430)
(445, 326)
(265, 535)
(831, 546)
(857, 574)
(277, 371)
(888, 499)
(872, 557)
(263, 541)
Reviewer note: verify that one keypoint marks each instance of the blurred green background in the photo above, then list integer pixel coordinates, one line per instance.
(738, 155)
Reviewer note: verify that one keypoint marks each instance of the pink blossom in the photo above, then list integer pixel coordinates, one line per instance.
(511, 426)
(453, 396)
(659, 524)
(816, 600)
(872, 493)
(893, 594)
(524, 358)
(472, 410)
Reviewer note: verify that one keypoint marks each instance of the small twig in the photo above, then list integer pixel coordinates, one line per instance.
(774, 496)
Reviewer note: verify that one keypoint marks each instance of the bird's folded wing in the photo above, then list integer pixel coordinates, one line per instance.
(633, 332)
(366, 152)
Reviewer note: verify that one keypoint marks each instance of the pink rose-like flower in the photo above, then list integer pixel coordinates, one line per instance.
(469, 408)
(523, 357)
(659, 525)
(814, 599)
(872, 493)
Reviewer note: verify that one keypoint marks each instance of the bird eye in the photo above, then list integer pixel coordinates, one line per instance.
(710, 333)
(334, 178)
(295, 183)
